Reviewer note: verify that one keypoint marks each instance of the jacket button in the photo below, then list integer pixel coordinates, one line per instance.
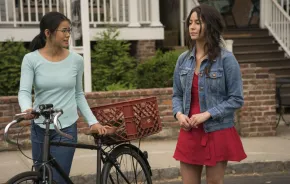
(214, 75)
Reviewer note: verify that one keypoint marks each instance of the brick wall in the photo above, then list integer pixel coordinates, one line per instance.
(145, 49)
(256, 118)
(258, 115)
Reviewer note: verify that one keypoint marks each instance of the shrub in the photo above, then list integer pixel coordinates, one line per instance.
(111, 62)
(11, 54)
(157, 72)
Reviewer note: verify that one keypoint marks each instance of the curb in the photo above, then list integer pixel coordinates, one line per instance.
(232, 169)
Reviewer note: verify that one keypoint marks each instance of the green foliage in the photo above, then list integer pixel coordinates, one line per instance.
(112, 66)
(11, 54)
(119, 86)
(157, 72)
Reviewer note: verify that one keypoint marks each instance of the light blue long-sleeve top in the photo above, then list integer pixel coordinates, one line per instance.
(57, 83)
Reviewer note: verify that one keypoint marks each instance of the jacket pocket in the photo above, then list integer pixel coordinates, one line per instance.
(183, 75)
(214, 81)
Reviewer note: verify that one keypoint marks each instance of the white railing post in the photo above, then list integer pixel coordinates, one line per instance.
(155, 17)
(189, 5)
(69, 10)
(263, 14)
(229, 45)
(86, 45)
(133, 14)
(182, 21)
(268, 11)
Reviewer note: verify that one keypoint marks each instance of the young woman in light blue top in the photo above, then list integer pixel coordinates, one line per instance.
(56, 74)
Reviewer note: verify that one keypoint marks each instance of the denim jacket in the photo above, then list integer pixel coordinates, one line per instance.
(220, 92)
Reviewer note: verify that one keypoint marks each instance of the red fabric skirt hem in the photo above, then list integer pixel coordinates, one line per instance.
(200, 148)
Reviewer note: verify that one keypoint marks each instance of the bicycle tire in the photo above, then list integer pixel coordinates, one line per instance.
(33, 176)
(116, 153)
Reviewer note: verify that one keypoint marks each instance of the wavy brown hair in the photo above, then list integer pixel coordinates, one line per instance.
(214, 27)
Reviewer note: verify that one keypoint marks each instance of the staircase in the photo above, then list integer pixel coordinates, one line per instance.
(255, 45)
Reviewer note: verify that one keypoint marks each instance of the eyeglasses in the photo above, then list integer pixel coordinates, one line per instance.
(64, 31)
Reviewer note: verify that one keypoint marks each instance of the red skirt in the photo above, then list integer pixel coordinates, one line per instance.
(200, 148)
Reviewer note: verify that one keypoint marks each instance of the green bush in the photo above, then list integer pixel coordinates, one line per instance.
(11, 54)
(119, 86)
(157, 72)
(111, 63)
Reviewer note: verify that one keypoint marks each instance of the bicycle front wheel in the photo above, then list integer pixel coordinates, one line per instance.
(29, 177)
(130, 163)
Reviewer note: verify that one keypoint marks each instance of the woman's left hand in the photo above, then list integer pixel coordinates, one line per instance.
(197, 119)
(102, 130)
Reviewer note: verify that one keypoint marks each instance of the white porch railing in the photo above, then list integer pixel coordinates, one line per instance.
(275, 15)
(132, 13)
(24, 12)
(93, 15)
(116, 12)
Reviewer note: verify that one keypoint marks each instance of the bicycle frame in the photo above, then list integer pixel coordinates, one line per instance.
(50, 162)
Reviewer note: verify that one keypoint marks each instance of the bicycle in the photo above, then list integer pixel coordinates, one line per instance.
(112, 170)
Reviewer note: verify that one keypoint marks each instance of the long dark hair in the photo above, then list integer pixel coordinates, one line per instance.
(51, 22)
(214, 27)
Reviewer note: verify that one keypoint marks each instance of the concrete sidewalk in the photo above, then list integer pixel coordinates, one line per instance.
(265, 154)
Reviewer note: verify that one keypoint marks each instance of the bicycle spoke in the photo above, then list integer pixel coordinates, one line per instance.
(130, 168)
(134, 168)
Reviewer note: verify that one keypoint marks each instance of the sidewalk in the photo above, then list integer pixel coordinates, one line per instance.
(264, 154)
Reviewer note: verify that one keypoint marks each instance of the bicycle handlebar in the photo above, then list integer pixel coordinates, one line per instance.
(58, 112)
(6, 138)
(55, 123)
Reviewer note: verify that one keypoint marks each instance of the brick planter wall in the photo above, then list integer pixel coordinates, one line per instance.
(256, 118)
(258, 115)
(145, 49)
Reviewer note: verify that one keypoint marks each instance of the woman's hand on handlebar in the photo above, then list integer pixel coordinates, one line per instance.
(29, 114)
(102, 130)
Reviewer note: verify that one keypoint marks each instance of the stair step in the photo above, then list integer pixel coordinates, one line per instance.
(255, 46)
(285, 91)
(245, 29)
(259, 54)
(282, 76)
(274, 68)
(251, 39)
(272, 62)
(243, 33)
(282, 73)
(285, 100)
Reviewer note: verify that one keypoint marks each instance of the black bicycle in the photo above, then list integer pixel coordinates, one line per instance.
(122, 162)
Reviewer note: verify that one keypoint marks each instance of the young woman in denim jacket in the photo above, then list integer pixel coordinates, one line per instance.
(207, 89)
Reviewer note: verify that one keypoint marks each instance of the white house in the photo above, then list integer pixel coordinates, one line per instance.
(137, 20)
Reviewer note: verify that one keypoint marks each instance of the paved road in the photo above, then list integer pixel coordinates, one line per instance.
(249, 179)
